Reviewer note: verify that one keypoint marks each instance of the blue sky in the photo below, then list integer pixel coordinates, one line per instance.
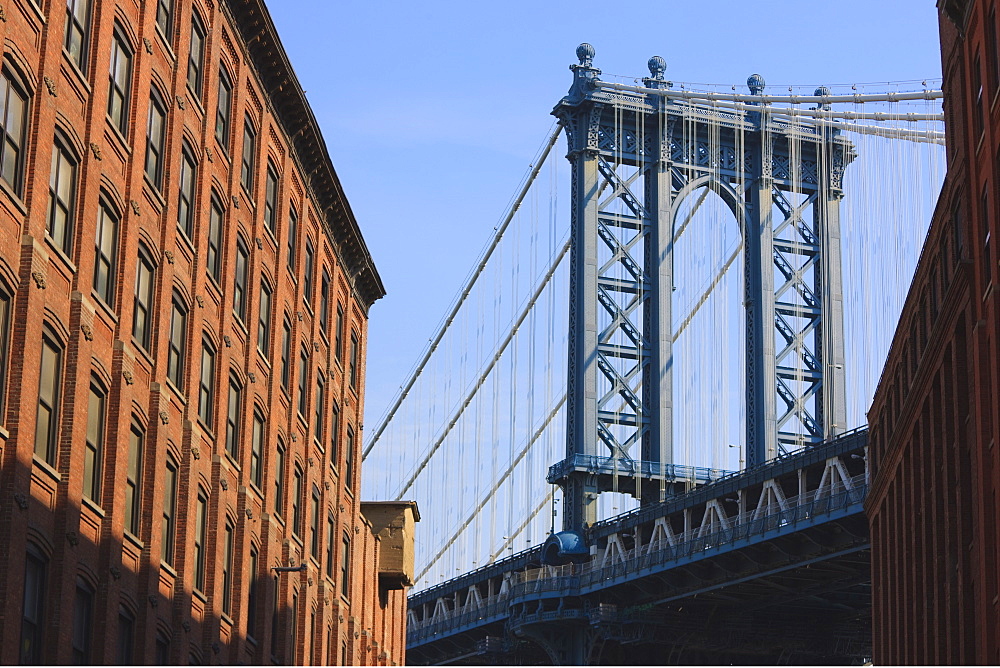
(432, 111)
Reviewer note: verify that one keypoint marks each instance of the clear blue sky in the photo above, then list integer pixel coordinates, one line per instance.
(433, 110)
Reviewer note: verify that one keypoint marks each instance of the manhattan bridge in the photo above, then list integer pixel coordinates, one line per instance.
(639, 432)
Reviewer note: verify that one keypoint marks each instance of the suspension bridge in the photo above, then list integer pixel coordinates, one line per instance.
(639, 431)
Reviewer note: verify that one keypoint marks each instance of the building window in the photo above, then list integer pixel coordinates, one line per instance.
(47, 423)
(164, 9)
(318, 406)
(293, 224)
(156, 126)
(175, 353)
(991, 50)
(307, 286)
(83, 617)
(185, 194)
(286, 353)
(252, 595)
(76, 32)
(214, 257)
(271, 198)
(334, 432)
(354, 361)
(126, 636)
(264, 318)
(33, 610)
(338, 343)
(257, 450)
(240, 280)
(233, 420)
(224, 109)
(143, 301)
(314, 524)
(199, 541)
(62, 194)
(324, 302)
(13, 129)
(196, 55)
(169, 512)
(249, 152)
(133, 482)
(106, 251)
(162, 651)
(275, 616)
(345, 567)
(119, 79)
(296, 500)
(329, 546)
(206, 386)
(295, 622)
(227, 570)
(279, 479)
(349, 459)
(303, 380)
(94, 455)
(4, 346)
(977, 94)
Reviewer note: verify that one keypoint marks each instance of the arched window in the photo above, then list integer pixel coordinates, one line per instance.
(13, 128)
(106, 251)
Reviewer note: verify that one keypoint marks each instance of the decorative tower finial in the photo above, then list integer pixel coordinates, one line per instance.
(585, 52)
(657, 66)
(756, 84)
(820, 92)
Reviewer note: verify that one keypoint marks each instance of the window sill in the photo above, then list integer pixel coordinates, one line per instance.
(165, 43)
(164, 566)
(153, 193)
(185, 241)
(223, 152)
(60, 253)
(131, 538)
(119, 134)
(92, 506)
(177, 393)
(139, 348)
(46, 468)
(104, 306)
(73, 71)
(14, 198)
(197, 593)
(232, 462)
(195, 99)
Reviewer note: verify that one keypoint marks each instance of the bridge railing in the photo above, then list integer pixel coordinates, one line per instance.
(688, 545)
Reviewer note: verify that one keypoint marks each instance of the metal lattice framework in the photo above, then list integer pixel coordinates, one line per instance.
(635, 157)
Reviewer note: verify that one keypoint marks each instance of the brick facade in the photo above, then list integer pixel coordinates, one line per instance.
(162, 588)
(934, 420)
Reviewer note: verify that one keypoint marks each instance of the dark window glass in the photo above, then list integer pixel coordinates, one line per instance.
(977, 96)
(126, 637)
(196, 55)
(345, 567)
(279, 480)
(286, 354)
(227, 570)
(83, 618)
(296, 500)
(257, 450)
(303, 380)
(94, 456)
(169, 511)
(271, 198)
(324, 302)
(175, 353)
(349, 459)
(240, 280)
(143, 301)
(199, 541)
(185, 193)
(76, 31)
(223, 110)
(106, 252)
(119, 80)
(233, 420)
(252, 595)
(275, 617)
(156, 128)
(985, 226)
(214, 256)
(354, 361)
(249, 153)
(334, 432)
(33, 610)
(47, 423)
(993, 53)
(318, 406)
(164, 9)
(62, 195)
(307, 285)
(329, 546)
(264, 318)
(133, 482)
(293, 224)
(13, 129)
(4, 346)
(206, 385)
(162, 651)
(314, 524)
(338, 343)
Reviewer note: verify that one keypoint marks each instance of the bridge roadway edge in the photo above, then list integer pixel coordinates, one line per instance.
(807, 566)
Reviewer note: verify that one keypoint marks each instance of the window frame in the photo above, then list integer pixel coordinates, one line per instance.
(32, 635)
(64, 157)
(155, 144)
(234, 408)
(196, 65)
(120, 48)
(271, 198)
(200, 524)
(264, 317)
(307, 283)
(177, 346)
(134, 479)
(206, 384)
(77, 25)
(187, 191)
(168, 527)
(224, 111)
(48, 451)
(241, 280)
(248, 156)
(106, 291)
(93, 460)
(258, 436)
(13, 84)
(142, 305)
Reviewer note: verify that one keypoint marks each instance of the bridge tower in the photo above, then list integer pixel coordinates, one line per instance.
(636, 153)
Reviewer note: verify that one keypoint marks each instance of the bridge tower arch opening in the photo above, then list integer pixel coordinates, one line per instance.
(637, 158)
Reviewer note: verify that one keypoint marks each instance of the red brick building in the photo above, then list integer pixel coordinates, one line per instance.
(935, 495)
(183, 312)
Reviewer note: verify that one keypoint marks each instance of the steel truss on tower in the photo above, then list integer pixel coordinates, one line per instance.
(635, 158)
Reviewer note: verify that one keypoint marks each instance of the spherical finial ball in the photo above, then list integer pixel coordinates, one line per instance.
(756, 84)
(657, 65)
(821, 91)
(585, 53)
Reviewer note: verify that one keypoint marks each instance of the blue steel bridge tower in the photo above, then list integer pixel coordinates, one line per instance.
(636, 154)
